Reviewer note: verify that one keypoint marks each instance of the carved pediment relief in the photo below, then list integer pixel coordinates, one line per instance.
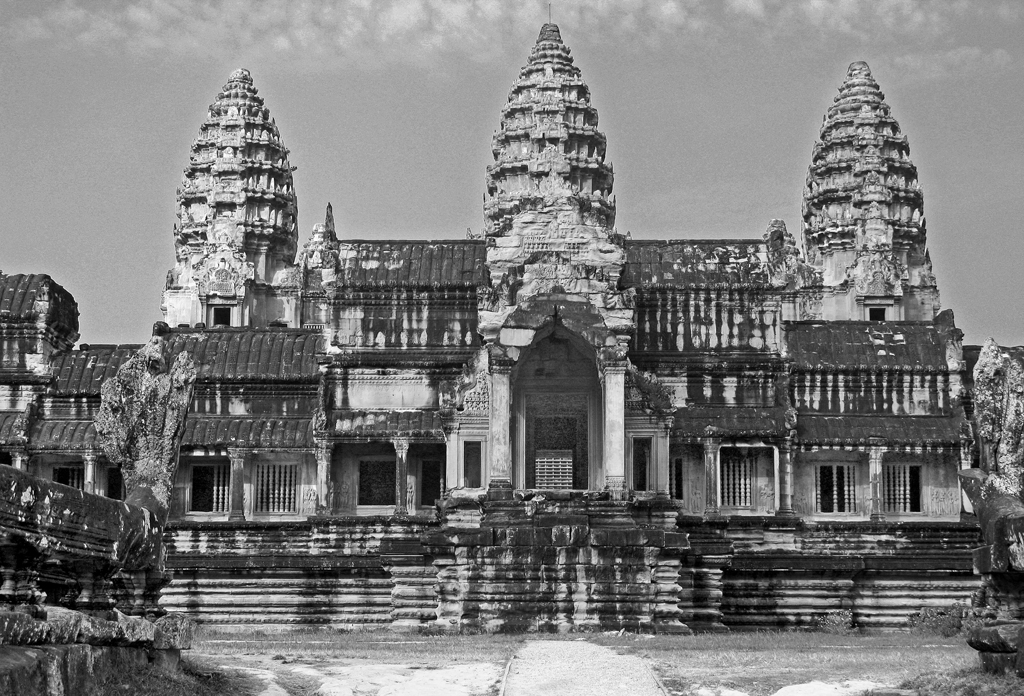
(877, 272)
(222, 271)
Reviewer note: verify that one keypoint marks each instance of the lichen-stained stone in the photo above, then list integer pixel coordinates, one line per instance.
(17, 628)
(141, 419)
(63, 625)
(174, 631)
(119, 630)
(996, 636)
(999, 414)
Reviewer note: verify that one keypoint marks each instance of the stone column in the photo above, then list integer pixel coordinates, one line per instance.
(615, 430)
(785, 474)
(401, 476)
(712, 446)
(324, 455)
(875, 453)
(451, 464)
(89, 478)
(661, 466)
(499, 474)
(19, 460)
(239, 458)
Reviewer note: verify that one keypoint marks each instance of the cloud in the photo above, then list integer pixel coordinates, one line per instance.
(963, 60)
(368, 32)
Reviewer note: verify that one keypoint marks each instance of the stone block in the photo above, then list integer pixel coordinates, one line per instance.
(616, 537)
(63, 625)
(569, 535)
(21, 629)
(677, 540)
(174, 632)
(996, 637)
(122, 630)
(991, 559)
(998, 662)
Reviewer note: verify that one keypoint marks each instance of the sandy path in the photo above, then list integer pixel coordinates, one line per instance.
(578, 668)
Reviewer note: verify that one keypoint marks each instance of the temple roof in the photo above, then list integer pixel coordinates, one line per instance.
(696, 263)
(219, 354)
(548, 128)
(206, 431)
(860, 169)
(238, 175)
(867, 345)
(24, 296)
(369, 264)
(376, 425)
(858, 430)
(730, 421)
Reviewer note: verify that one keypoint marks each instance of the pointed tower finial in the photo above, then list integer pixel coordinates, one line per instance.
(549, 32)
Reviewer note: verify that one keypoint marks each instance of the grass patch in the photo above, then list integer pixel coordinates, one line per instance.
(197, 677)
(764, 662)
(968, 682)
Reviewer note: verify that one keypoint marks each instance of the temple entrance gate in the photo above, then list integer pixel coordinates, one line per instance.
(557, 424)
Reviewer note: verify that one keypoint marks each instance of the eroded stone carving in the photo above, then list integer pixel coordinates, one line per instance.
(141, 418)
(999, 415)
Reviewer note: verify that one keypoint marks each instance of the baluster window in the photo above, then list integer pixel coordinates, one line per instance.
(210, 487)
(737, 476)
(275, 488)
(835, 488)
(901, 488)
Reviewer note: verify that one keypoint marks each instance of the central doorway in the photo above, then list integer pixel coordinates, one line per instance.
(557, 439)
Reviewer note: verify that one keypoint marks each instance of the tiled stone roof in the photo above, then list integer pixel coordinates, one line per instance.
(746, 421)
(21, 295)
(696, 264)
(242, 354)
(910, 430)
(248, 432)
(368, 425)
(76, 434)
(455, 263)
(866, 345)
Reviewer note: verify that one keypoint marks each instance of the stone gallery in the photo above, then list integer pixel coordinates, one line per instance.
(545, 426)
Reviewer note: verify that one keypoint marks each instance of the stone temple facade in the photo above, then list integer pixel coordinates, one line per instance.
(549, 425)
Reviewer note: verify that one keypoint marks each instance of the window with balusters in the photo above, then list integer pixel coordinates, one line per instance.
(73, 476)
(211, 487)
(275, 489)
(835, 488)
(737, 476)
(901, 488)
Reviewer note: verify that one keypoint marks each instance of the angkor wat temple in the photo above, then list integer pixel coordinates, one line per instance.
(548, 424)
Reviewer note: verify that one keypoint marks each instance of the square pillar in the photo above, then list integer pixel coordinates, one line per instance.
(239, 458)
(712, 447)
(875, 453)
(324, 455)
(19, 460)
(663, 484)
(499, 474)
(89, 473)
(784, 476)
(615, 430)
(451, 459)
(401, 476)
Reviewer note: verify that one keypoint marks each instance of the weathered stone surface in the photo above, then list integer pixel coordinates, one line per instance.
(64, 669)
(121, 630)
(174, 631)
(141, 419)
(999, 636)
(17, 628)
(63, 625)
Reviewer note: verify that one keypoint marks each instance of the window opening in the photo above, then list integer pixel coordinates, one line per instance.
(835, 488)
(73, 476)
(472, 461)
(377, 482)
(737, 473)
(275, 488)
(210, 487)
(876, 313)
(642, 447)
(431, 481)
(115, 483)
(901, 487)
(222, 316)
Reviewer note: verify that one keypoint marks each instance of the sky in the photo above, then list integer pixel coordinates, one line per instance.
(711, 109)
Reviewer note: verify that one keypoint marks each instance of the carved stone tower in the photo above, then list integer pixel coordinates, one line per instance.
(236, 235)
(863, 211)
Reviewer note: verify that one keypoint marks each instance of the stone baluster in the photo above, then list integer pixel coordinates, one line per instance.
(499, 476)
(615, 430)
(785, 474)
(89, 478)
(239, 460)
(712, 447)
(324, 456)
(875, 454)
(401, 476)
